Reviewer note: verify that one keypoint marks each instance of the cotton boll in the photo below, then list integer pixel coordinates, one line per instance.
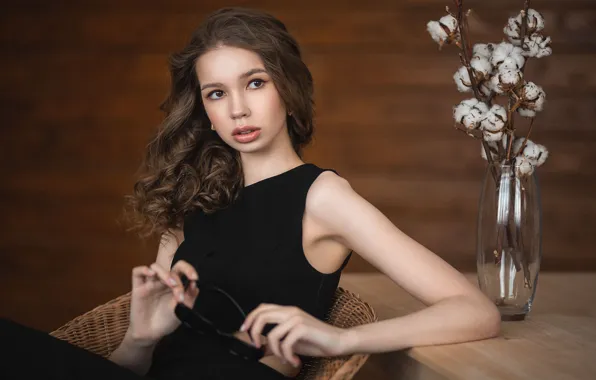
(539, 102)
(531, 151)
(436, 32)
(535, 153)
(483, 50)
(510, 78)
(443, 31)
(450, 22)
(545, 52)
(504, 50)
(481, 65)
(537, 46)
(531, 91)
(509, 63)
(490, 124)
(534, 19)
(535, 23)
(512, 31)
(523, 166)
(471, 121)
(517, 57)
(462, 80)
(533, 97)
(494, 120)
(462, 109)
(501, 52)
(526, 112)
(542, 156)
(506, 80)
(470, 112)
(499, 111)
(492, 136)
(475, 116)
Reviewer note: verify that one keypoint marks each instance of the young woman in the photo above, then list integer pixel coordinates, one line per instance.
(235, 205)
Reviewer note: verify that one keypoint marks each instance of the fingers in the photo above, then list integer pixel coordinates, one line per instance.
(171, 279)
(255, 322)
(140, 275)
(291, 326)
(191, 294)
(279, 332)
(182, 267)
(253, 314)
(287, 345)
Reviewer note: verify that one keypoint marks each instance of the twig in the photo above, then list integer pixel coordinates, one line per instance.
(524, 27)
(523, 31)
(523, 146)
(462, 25)
(522, 35)
(510, 127)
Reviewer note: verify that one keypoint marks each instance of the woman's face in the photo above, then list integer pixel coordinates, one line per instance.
(236, 92)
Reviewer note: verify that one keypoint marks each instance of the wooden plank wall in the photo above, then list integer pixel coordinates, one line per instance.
(80, 86)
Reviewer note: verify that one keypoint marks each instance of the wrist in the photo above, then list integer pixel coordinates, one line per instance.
(349, 339)
(131, 340)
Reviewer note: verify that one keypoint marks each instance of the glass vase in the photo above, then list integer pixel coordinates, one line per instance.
(509, 239)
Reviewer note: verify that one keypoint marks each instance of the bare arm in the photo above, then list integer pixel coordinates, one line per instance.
(132, 353)
(456, 312)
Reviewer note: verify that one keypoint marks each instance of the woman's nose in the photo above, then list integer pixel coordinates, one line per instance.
(239, 107)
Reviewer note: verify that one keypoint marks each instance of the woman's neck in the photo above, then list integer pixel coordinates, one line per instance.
(255, 170)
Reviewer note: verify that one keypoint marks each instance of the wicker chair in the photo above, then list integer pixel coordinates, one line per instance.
(101, 330)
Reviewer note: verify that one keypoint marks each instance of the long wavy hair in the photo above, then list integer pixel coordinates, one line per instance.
(187, 165)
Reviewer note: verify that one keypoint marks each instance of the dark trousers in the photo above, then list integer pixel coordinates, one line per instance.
(27, 353)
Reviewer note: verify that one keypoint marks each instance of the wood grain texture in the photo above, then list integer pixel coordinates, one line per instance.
(80, 86)
(556, 341)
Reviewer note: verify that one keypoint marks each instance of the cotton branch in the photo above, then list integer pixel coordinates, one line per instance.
(462, 24)
(523, 32)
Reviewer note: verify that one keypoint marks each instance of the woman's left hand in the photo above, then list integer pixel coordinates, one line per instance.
(297, 332)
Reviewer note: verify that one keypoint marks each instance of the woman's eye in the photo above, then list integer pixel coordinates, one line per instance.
(259, 83)
(210, 96)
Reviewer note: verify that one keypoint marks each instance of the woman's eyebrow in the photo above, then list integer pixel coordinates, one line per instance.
(245, 75)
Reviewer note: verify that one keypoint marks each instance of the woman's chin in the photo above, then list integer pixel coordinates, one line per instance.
(252, 147)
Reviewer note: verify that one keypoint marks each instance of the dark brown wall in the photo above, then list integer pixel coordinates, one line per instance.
(80, 85)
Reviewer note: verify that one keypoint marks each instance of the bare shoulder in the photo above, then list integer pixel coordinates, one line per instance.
(328, 203)
(326, 188)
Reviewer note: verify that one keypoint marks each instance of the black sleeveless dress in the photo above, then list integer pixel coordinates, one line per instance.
(253, 250)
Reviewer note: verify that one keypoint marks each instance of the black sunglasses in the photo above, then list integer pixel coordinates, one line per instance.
(202, 325)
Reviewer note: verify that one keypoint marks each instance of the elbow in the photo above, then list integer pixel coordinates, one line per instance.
(490, 320)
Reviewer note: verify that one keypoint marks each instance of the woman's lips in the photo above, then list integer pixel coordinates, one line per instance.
(247, 137)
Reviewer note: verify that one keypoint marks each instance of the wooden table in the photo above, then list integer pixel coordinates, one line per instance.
(556, 341)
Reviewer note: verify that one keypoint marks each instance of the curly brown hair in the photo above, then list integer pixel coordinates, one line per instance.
(188, 166)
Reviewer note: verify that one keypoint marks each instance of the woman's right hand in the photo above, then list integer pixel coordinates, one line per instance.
(155, 293)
